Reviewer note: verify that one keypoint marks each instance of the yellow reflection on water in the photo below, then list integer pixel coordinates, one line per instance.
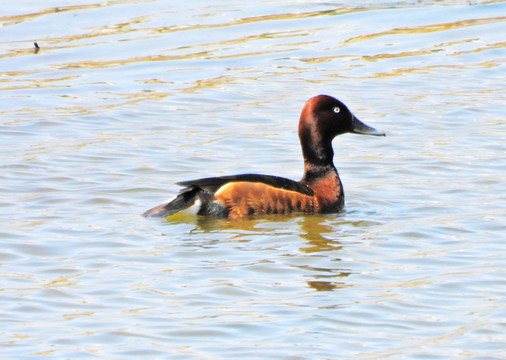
(16, 19)
(427, 28)
(313, 228)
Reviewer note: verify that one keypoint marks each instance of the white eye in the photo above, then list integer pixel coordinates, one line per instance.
(337, 109)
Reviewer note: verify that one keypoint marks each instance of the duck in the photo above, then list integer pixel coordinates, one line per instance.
(320, 190)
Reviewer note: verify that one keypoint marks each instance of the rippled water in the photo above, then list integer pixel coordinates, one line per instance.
(125, 98)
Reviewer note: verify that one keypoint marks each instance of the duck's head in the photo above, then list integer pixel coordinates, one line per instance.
(325, 117)
(322, 119)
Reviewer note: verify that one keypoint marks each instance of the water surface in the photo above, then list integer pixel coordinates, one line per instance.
(125, 98)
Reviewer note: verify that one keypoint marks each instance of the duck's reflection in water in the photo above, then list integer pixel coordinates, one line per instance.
(322, 237)
(319, 232)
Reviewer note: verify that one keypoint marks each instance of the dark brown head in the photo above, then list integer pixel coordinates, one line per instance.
(322, 119)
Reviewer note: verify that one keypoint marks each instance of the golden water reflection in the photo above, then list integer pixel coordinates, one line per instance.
(319, 235)
(427, 28)
(317, 231)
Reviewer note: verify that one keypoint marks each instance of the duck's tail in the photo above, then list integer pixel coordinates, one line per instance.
(184, 200)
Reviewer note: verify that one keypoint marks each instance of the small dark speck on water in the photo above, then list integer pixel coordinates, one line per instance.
(36, 48)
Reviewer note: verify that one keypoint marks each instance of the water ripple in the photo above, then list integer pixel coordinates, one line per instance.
(124, 99)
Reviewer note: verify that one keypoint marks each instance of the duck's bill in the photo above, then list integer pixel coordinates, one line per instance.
(360, 128)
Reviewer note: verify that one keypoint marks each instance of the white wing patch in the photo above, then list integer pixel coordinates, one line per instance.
(194, 209)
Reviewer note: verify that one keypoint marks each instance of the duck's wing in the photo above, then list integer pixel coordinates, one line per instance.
(214, 183)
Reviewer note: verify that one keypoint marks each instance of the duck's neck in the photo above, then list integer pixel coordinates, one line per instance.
(318, 158)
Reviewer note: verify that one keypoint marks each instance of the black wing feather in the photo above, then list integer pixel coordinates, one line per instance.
(214, 183)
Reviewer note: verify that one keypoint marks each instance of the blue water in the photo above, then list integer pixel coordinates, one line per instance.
(124, 99)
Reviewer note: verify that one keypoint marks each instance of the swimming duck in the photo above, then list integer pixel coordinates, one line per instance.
(319, 191)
